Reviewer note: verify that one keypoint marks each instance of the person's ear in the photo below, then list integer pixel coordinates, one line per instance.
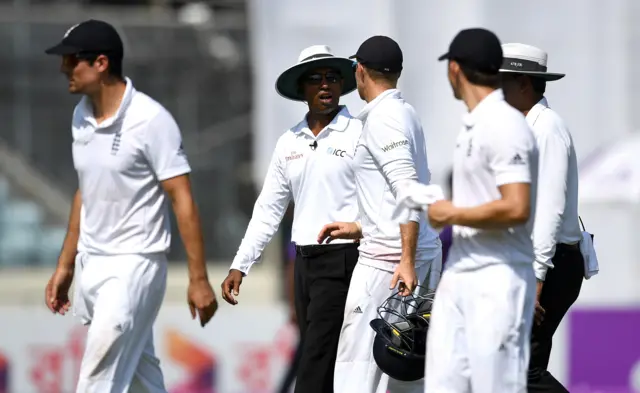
(359, 73)
(454, 68)
(101, 63)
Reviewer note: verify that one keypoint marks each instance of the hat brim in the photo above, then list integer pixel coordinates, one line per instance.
(547, 76)
(444, 57)
(287, 82)
(62, 49)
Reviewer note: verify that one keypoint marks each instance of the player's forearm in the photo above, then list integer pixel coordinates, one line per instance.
(493, 215)
(190, 228)
(409, 240)
(70, 245)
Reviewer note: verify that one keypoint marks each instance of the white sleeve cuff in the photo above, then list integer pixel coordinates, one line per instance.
(540, 270)
(513, 177)
(242, 266)
(414, 215)
(174, 172)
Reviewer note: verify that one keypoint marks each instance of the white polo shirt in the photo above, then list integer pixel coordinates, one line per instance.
(494, 148)
(392, 150)
(557, 201)
(319, 178)
(120, 165)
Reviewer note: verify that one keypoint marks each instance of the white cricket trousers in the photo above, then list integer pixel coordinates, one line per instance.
(356, 370)
(478, 339)
(119, 297)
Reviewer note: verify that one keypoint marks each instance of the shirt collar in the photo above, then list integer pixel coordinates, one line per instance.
(391, 93)
(537, 109)
(87, 109)
(339, 123)
(469, 119)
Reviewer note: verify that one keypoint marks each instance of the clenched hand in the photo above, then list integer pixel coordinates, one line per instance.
(202, 300)
(440, 213)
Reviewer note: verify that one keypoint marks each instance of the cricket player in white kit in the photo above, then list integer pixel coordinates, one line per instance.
(391, 151)
(478, 340)
(127, 150)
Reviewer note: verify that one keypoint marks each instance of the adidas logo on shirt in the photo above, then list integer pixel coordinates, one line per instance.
(517, 160)
(358, 310)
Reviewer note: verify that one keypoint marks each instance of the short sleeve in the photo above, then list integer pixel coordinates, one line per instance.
(163, 147)
(511, 153)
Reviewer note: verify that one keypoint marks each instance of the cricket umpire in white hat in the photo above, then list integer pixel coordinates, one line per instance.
(312, 167)
(559, 265)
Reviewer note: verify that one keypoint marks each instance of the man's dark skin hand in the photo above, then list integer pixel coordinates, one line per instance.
(231, 286)
(539, 311)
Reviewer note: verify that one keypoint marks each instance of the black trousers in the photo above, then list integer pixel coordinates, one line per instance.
(560, 290)
(322, 277)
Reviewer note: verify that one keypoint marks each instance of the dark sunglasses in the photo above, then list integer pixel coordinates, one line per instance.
(317, 78)
(81, 56)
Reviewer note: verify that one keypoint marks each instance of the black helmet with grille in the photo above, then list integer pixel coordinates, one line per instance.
(401, 333)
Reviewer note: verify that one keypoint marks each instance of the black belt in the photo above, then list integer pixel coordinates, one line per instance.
(319, 249)
(568, 247)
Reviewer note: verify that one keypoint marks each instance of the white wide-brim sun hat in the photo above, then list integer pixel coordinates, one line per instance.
(527, 60)
(314, 57)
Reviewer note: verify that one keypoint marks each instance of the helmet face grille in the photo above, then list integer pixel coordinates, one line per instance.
(407, 318)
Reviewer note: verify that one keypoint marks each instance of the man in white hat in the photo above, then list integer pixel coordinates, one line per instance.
(311, 166)
(393, 257)
(559, 266)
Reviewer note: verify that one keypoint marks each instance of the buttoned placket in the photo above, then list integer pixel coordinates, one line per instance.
(323, 134)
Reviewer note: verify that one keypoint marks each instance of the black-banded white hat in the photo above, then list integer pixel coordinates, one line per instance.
(313, 57)
(527, 60)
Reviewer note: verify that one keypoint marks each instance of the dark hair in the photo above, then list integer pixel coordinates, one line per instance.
(539, 85)
(479, 77)
(389, 77)
(115, 67)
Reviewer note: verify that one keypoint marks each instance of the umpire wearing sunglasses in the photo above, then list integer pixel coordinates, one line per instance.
(311, 167)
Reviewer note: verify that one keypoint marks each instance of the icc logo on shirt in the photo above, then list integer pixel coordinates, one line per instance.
(336, 152)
